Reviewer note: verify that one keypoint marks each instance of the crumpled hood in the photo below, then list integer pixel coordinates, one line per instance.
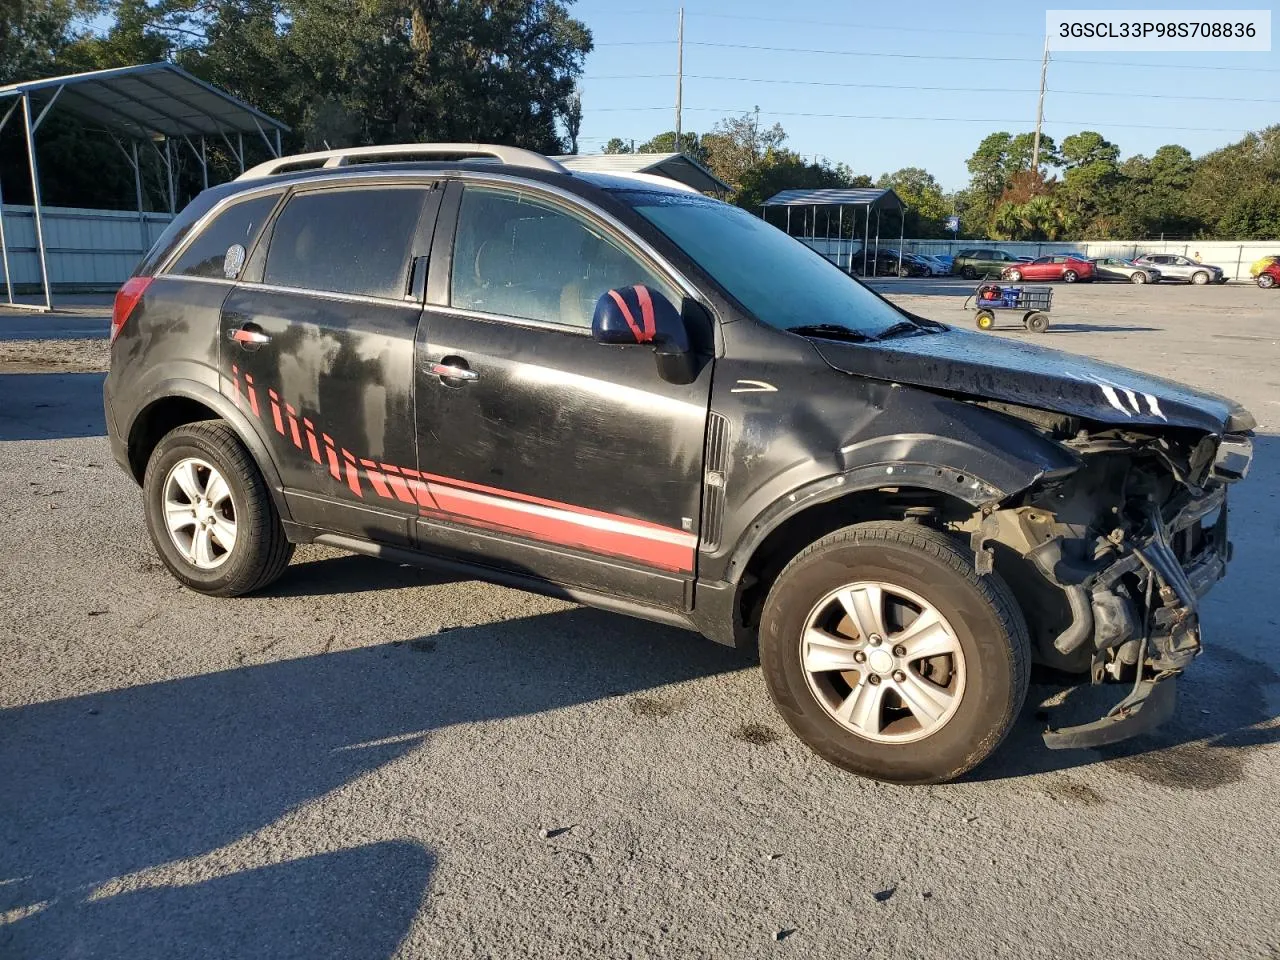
(993, 368)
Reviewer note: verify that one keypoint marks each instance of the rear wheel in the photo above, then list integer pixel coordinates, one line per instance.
(1200, 278)
(209, 512)
(889, 656)
(1070, 276)
(1139, 276)
(1036, 322)
(969, 273)
(985, 319)
(1013, 274)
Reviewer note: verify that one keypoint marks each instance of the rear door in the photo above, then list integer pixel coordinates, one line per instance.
(546, 453)
(318, 341)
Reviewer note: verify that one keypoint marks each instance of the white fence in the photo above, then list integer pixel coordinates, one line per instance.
(1233, 257)
(85, 249)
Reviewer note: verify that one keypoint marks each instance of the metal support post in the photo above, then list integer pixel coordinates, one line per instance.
(35, 197)
(866, 237)
(137, 189)
(240, 152)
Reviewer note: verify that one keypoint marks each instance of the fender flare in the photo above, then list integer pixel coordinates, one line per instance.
(939, 478)
(221, 405)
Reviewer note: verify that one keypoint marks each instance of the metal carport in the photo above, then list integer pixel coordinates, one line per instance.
(151, 103)
(868, 198)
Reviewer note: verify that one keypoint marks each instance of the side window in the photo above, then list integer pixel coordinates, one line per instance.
(207, 255)
(356, 241)
(519, 256)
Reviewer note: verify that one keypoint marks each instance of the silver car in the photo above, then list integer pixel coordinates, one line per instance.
(1174, 267)
(1113, 268)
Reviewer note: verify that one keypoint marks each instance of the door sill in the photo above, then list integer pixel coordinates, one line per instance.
(506, 578)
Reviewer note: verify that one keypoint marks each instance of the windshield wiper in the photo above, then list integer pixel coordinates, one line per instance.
(832, 331)
(910, 328)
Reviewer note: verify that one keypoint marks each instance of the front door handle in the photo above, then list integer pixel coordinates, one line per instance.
(453, 371)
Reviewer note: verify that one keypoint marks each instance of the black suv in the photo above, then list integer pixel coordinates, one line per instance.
(613, 389)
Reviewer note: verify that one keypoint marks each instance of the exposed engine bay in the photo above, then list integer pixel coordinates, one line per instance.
(1109, 561)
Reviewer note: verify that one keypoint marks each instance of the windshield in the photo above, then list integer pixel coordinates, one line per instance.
(778, 280)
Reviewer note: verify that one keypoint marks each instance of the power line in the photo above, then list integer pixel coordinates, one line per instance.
(856, 26)
(911, 86)
(1083, 124)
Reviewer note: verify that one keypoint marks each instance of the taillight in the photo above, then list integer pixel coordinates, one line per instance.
(127, 298)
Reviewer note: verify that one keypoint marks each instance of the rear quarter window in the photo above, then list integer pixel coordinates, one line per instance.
(240, 223)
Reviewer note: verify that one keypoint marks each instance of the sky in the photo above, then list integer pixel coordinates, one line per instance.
(918, 83)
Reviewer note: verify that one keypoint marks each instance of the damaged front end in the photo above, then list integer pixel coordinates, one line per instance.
(1110, 562)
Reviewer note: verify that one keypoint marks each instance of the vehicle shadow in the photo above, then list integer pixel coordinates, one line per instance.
(1227, 699)
(51, 406)
(102, 786)
(350, 573)
(1097, 328)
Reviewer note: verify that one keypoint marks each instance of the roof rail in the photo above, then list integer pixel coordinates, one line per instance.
(392, 152)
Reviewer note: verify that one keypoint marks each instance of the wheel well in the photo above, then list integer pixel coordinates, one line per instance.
(155, 421)
(795, 533)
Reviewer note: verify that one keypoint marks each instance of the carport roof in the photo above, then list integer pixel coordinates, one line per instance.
(148, 100)
(846, 197)
(673, 166)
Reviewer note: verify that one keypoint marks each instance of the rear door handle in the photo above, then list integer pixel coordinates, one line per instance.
(453, 371)
(249, 336)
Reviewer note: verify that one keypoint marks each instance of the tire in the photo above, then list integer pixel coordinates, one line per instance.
(1037, 323)
(1069, 276)
(1013, 274)
(1200, 278)
(981, 620)
(969, 273)
(1139, 276)
(984, 319)
(260, 552)
(1266, 281)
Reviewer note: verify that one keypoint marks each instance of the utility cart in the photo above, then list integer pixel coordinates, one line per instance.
(1034, 303)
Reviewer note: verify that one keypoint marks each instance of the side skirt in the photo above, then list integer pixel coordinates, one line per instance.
(505, 578)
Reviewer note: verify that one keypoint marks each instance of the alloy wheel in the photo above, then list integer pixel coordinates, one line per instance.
(883, 662)
(199, 513)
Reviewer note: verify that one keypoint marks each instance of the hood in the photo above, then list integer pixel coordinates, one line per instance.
(993, 368)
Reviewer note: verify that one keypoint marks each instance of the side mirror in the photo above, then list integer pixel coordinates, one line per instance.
(642, 315)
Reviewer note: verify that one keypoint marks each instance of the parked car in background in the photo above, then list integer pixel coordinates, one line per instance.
(939, 266)
(1114, 268)
(1259, 266)
(1269, 276)
(1174, 267)
(982, 262)
(1057, 266)
(885, 263)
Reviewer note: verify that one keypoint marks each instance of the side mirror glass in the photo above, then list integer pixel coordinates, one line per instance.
(642, 315)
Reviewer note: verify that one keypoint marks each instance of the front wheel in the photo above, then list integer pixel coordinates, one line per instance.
(889, 656)
(985, 319)
(1013, 274)
(1266, 280)
(210, 514)
(1070, 276)
(1200, 278)
(969, 273)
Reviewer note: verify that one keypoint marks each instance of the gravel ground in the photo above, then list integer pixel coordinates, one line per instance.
(372, 760)
(45, 356)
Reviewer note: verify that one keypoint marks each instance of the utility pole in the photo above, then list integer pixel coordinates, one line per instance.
(679, 76)
(1044, 69)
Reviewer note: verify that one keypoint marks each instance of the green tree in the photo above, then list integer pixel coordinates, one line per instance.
(927, 206)
(617, 145)
(690, 144)
(737, 144)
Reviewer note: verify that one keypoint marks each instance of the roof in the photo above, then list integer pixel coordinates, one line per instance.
(149, 99)
(673, 166)
(848, 197)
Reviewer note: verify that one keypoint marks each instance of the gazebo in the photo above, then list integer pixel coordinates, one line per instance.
(869, 199)
(156, 103)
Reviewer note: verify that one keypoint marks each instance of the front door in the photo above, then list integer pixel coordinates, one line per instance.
(545, 452)
(318, 340)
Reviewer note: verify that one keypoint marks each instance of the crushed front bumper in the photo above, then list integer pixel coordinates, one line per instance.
(1177, 565)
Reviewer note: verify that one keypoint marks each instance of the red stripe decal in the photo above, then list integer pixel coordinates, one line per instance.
(333, 457)
(293, 425)
(646, 312)
(353, 475)
(275, 411)
(399, 488)
(311, 440)
(253, 396)
(422, 492)
(626, 315)
(375, 478)
(235, 384)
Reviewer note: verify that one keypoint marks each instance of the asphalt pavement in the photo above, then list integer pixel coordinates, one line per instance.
(371, 760)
